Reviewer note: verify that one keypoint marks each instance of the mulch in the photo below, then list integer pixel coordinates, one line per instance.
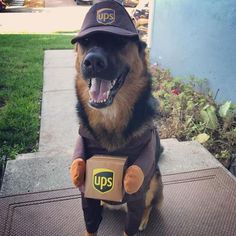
(34, 3)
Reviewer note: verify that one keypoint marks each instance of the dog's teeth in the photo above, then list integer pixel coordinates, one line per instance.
(96, 101)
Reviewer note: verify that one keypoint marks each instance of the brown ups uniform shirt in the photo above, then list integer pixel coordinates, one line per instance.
(141, 151)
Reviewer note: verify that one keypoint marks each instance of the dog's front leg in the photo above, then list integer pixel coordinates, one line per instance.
(134, 216)
(92, 215)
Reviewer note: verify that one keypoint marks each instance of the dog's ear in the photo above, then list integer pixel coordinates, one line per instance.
(76, 47)
(141, 46)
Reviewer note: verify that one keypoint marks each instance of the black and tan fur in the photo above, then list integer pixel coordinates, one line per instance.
(132, 109)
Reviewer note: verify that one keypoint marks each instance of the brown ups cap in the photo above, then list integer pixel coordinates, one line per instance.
(107, 16)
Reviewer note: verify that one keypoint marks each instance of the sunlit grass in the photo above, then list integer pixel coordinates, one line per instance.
(21, 81)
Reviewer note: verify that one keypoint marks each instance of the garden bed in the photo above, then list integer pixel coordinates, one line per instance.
(188, 111)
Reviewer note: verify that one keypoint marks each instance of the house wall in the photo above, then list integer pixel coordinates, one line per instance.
(197, 37)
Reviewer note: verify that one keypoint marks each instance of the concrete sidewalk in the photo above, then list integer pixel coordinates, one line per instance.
(49, 168)
(59, 125)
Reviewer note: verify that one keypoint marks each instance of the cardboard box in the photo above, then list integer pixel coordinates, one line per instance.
(104, 178)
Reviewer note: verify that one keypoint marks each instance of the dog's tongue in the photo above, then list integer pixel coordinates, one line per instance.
(99, 89)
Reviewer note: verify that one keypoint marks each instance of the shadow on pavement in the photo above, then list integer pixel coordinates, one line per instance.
(21, 9)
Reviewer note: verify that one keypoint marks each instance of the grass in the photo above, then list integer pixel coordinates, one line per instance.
(21, 81)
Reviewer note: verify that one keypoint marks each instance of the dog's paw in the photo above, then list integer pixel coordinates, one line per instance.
(133, 179)
(142, 226)
(77, 172)
(127, 234)
(90, 234)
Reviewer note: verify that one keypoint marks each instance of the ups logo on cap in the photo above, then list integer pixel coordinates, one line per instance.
(106, 16)
(103, 180)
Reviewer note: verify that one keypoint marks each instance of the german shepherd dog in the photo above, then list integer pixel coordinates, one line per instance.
(115, 103)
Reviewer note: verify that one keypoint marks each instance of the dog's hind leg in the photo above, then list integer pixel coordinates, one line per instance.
(145, 218)
(158, 196)
(154, 197)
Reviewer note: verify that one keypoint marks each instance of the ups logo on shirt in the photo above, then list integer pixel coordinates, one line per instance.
(106, 16)
(103, 180)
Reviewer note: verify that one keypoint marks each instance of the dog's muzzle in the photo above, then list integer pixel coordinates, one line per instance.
(95, 64)
(104, 78)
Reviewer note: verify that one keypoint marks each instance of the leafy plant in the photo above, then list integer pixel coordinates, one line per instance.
(208, 115)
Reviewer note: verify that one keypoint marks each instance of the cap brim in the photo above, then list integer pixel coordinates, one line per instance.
(107, 29)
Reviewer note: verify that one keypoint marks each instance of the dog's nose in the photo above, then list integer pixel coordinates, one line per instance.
(95, 62)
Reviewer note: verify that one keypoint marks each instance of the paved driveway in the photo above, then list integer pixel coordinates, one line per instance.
(57, 16)
(67, 16)
(59, 3)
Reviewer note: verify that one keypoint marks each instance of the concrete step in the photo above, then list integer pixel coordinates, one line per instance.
(169, 143)
(37, 172)
(32, 173)
(185, 156)
(34, 155)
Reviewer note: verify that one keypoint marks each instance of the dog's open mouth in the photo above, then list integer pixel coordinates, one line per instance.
(102, 92)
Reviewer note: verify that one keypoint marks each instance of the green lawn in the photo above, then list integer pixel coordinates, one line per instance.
(21, 81)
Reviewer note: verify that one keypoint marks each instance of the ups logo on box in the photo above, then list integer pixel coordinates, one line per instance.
(105, 16)
(103, 180)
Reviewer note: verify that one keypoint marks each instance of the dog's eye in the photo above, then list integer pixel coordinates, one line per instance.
(120, 42)
(85, 41)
